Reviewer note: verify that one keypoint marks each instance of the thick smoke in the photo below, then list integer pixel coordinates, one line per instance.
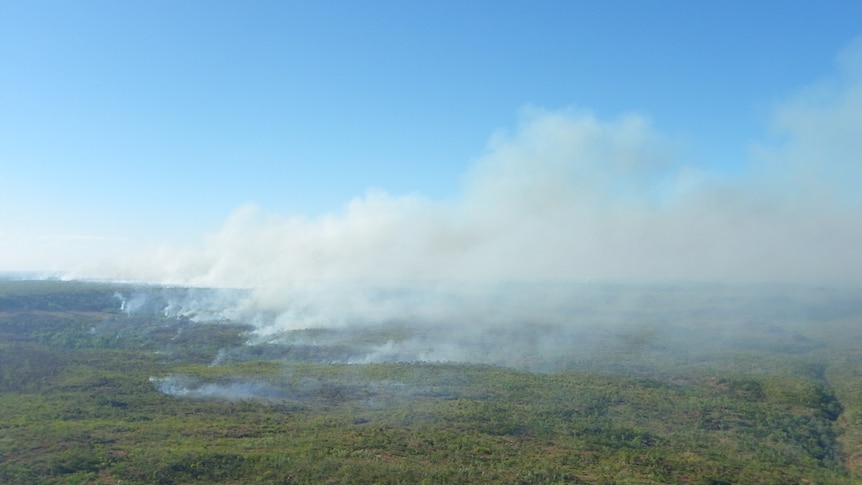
(566, 197)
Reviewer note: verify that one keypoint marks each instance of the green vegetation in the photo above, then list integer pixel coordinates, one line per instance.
(91, 395)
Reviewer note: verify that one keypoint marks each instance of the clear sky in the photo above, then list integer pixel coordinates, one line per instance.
(128, 126)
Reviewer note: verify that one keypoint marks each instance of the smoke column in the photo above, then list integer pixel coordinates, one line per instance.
(565, 197)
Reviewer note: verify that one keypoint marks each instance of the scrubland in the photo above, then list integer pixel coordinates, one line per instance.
(756, 390)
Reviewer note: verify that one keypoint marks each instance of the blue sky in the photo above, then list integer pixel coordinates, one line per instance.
(129, 126)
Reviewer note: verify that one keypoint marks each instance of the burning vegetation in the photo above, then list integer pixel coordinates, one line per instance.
(622, 384)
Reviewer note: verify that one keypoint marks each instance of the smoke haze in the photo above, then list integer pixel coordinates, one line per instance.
(565, 197)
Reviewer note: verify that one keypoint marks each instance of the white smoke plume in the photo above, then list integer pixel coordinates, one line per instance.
(565, 197)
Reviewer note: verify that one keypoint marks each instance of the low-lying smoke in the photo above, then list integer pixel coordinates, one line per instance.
(303, 389)
(571, 326)
(184, 386)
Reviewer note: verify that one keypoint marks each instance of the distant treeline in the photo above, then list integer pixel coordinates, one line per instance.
(54, 295)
